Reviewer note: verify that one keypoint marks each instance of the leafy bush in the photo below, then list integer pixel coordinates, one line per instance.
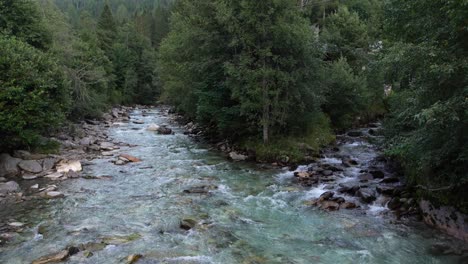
(33, 94)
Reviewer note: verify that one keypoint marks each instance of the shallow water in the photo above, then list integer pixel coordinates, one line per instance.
(254, 215)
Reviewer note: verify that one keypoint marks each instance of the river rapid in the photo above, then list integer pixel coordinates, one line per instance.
(251, 214)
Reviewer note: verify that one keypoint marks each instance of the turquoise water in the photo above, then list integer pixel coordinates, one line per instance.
(250, 215)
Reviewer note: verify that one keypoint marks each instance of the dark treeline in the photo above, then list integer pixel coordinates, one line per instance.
(275, 77)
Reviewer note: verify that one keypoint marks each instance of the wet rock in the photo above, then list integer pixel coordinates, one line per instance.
(86, 141)
(67, 165)
(386, 190)
(329, 206)
(107, 146)
(53, 258)
(365, 177)
(394, 203)
(326, 196)
(367, 195)
(3, 179)
(347, 162)
(8, 165)
(54, 195)
(339, 200)
(188, 223)
(377, 174)
(237, 157)
(54, 176)
(354, 133)
(9, 187)
(133, 258)
(327, 173)
(153, 127)
(302, 174)
(120, 162)
(16, 224)
(200, 189)
(34, 187)
(117, 240)
(130, 158)
(139, 122)
(348, 205)
(29, 177)
(164, 130)
(390, 180)
(48, 164)
(30, 166)
(348, 188)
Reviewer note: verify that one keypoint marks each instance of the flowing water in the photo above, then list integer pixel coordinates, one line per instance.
(250, 215)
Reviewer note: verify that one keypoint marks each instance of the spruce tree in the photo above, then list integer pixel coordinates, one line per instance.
(106, 29)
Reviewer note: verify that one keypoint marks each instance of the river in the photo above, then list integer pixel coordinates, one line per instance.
(251, 214)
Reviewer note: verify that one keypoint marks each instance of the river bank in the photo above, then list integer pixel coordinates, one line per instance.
(195, 207)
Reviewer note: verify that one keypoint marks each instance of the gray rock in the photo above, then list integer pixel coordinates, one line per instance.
(354, 133)
(3, 179)
(377, 174)
(327, 172)
(8, 187)
(86, 141)
(32, 166)
(237, 157)
(48, 163)
(8, 165)
(365, 177)
(326, 195)
(164, 130)
(367, 195)
(394, 203)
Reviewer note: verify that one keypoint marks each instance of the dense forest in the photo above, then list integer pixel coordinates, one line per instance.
(271, 76)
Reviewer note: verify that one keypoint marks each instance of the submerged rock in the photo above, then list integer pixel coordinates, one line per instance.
(164, 130)
(133, 258)
(54, 195)
(188, 223)
(153, 127)
(117, 240)
(348, 205)
(8, 187)
(53, 258)
(130, 158)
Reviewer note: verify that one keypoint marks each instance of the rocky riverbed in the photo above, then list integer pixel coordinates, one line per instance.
(133, 188)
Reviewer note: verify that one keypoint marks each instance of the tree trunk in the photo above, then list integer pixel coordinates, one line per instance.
(266, 110)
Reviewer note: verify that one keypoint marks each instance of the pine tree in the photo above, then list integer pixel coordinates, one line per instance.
(106, 29)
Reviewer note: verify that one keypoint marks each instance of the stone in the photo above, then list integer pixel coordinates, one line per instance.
(153, 127)
(133, 258)
(348, 188)
(120, 162)
(108, 153)
(188, 223)
(35, 186)
(347, 162)
(8, 187)
(327, 172)
(390, 180)
(86, 141)
(139, 122)
(29, 177)
(54, 195)
(3, 179)
(348, 205)
(339, 200)
(394, 203)
(367, 195)
(16, 224)
(48, 163)
(53, 258)
(130, 158)
(354, 133)
(118, 240)
(365, 177)
(237, 157)
(445, 218)
(326, 195)
(54, 176)
(386, 190)
(302, 174)
(377, 174)
(8, 165)
(164, 130)
(107, 146)
(329, 206)
(69, 165)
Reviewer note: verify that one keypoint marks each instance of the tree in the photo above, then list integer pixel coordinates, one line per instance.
(33, 93)
(106, 30)
(21, 18)
(427, 129)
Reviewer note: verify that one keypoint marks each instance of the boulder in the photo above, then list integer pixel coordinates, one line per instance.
(54, 176)
(302, 174)
(237, 157)
(133, 258)
(348, 188)
(326, 196)
(3, 179)
(86, 141)
(390, 180)
(53, 258)
(188, 223)
(48, 163)
(138, 122)
(164, 130)
(377, 174)
(8, 165)
(394, 203)
(367, 195)
(69, 165)
(387, 190)
(365, 177)
(339, 200)
(348, 205)
(32, 166)
(107, 146)
(8, 187)
(120, 162)
(327, 172)
(29, 177)
(153, 127)
(329, 206)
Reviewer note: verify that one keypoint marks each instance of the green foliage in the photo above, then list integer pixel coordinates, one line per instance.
(21, 18)
(33, 95)
(106, 30)
(428, 125)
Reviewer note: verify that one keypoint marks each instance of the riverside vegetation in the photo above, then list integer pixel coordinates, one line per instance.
(276, 78)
